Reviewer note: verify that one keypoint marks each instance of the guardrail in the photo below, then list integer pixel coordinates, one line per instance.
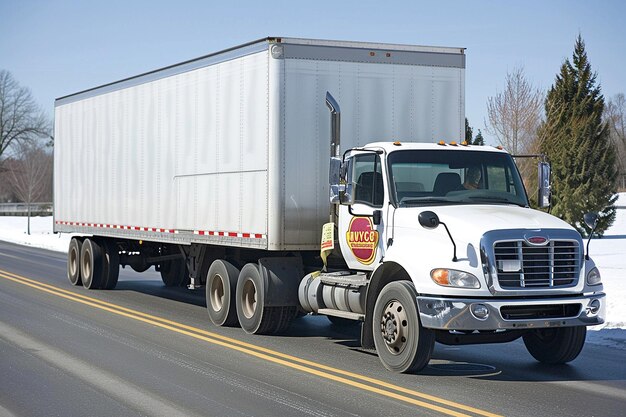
(21, 209)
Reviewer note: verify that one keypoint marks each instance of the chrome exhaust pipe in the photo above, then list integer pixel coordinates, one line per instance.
(335, 125)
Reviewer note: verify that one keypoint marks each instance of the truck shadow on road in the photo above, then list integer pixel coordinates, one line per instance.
(601, 360)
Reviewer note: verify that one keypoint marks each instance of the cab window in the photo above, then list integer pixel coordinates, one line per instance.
(368, 188)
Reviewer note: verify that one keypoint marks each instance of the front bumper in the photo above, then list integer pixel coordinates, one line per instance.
(457, 314)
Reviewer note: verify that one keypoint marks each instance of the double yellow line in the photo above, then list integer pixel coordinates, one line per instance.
(363, 382)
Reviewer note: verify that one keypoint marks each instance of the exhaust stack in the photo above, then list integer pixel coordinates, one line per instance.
(335, 125)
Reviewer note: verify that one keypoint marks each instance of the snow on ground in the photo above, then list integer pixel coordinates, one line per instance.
(609, 253)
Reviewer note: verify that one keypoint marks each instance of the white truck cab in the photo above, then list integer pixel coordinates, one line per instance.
(441, 244)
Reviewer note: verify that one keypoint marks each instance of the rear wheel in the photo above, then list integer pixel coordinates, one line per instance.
(556, 345)
(73, 261)
(174, 273)
(91, 264)
(254, 316)
(111, 258)
(221, 286)
(403, 345)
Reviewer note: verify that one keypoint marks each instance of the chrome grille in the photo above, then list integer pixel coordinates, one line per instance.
(521, 265)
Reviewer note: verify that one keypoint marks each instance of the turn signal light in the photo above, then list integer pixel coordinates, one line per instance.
(440, 276)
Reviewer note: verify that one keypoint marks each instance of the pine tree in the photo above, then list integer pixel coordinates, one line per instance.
(468, 132)
(479, 140)
(577, 143)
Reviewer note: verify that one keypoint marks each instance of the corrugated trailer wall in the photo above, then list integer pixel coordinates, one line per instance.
(184, 153)
(418, 100)
(233, 148)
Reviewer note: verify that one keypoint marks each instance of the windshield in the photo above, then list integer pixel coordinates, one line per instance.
(420, 177)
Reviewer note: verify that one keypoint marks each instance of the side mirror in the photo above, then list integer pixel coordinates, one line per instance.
(591, 220)
(428, 219)
(543, 197)
(340, 189)
(334, 179)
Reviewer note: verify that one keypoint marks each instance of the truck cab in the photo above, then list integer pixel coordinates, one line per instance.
(449, 228)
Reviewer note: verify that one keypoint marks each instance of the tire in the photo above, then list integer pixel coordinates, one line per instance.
(111, 260)
(403, 345)
(174, 273)
(221, 287)
(91, 264)
(73, 261)
(556, 345)
(254, 316)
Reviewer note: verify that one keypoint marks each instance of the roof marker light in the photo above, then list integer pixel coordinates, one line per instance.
(453, 143)
(397, 143)
(464, 143)
(442, 143)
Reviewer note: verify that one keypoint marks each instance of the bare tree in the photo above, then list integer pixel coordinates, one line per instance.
(515, 114)
(30, 173)
(615, 116)
(21, 119)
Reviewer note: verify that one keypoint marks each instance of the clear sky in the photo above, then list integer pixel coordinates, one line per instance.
(60, 47)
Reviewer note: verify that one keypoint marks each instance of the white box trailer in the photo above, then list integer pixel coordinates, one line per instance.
(232, 148)
(219, 173)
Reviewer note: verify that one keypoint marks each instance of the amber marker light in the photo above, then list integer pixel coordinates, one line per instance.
(464, 143)
(453, 143)
(397, 143)
(442, 143)
(440, 276)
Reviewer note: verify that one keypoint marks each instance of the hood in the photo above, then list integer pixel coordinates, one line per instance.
(479, 219)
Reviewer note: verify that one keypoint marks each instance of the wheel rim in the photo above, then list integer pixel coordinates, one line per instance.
(86, 265)
(248, 299)
(217, 293)
(394, 327)
(73, 262)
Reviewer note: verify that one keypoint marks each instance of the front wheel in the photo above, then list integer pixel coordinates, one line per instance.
(403, 345)
(556, 345)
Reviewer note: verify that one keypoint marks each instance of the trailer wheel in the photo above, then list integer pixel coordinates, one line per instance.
(111, 258)
(91, 264)
(73, 261)
(254, 316)
(174, 273)
(403, 345)
(221, 286)
(555, 345)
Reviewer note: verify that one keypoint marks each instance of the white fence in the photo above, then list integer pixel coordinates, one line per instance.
(21, 209)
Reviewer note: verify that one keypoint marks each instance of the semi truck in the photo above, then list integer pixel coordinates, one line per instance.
(295, 176)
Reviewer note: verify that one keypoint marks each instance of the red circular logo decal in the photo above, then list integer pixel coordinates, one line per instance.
(362, 239)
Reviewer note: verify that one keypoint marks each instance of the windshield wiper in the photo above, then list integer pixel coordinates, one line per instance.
(496, 200)
(426, 200)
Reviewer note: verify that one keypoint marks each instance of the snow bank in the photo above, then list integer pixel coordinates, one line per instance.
(13, 229)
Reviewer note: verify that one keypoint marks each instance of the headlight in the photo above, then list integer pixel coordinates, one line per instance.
(454, 278)
(593, 277)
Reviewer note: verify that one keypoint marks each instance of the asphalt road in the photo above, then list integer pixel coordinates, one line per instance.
(143, 349)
